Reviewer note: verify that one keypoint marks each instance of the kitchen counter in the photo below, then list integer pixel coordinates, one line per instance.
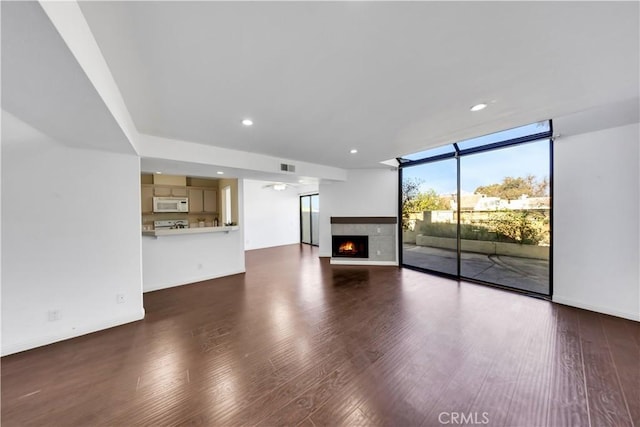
(183, 231)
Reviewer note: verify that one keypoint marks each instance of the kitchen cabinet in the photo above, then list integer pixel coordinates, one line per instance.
(210, 199)
(169, 191)
(202, 200)
(196, 203)
(147, 199)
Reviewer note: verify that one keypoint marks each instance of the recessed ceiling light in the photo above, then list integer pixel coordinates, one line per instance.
(478, 107)
(353, 151)
(220, 173)
(158, 173)
(247, 122)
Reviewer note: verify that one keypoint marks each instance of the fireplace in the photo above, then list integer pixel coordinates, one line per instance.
(365, 240)
(350, 246)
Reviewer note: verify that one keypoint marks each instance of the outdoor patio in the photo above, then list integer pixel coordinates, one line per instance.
(520, 273)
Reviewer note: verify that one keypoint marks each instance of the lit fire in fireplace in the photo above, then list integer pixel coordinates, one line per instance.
(350, 246)
(347, 248)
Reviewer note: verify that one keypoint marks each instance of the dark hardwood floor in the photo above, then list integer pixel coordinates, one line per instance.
(296, 341)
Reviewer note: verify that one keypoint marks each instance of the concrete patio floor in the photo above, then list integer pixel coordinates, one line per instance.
(520, 273)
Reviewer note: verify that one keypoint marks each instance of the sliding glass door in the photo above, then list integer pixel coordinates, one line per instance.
(480, 209)
(505, 217)
(429, 228)
(309, 219)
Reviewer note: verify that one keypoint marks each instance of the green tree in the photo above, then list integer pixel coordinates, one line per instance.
(413, 200)
(427, 201)
(512, 188)
(410, 189)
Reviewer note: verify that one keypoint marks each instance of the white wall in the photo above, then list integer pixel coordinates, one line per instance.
(178, 260)
(596, 217)
(190, 152)
(271, 218)
(366, 192)
(70, 239)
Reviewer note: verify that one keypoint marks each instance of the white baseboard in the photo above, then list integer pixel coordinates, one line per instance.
(159, 286)
(46, 340)
(355, 262)
(597, 308)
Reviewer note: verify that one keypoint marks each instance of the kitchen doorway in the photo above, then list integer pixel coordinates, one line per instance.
(309, 219)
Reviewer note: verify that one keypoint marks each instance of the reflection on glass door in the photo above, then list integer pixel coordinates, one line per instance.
(505, 208)
(429, 229)
(309, 219)
(305, 219)
(315, 220)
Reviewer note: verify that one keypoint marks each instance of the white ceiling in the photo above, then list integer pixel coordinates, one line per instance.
(320, 78)
(387, 78)
(43, 85)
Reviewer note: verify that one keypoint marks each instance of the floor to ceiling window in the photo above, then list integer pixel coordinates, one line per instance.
(426, 207)
(480, 209)
(309, 219)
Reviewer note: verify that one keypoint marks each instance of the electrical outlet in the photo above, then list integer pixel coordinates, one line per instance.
(379, 233)
(120, 298)
(199, 266)
(377, 252)
(53, 315)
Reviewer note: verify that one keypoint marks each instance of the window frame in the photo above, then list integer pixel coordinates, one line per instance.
(458, 152)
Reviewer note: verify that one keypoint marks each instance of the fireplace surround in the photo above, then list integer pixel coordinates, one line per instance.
(373, 240)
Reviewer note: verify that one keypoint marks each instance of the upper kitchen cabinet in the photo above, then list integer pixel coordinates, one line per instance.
(196, 204)
(202, 200)
(210, 198)
(169, 186)
(169, 191)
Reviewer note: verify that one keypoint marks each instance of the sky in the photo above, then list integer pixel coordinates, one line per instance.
(483, 168)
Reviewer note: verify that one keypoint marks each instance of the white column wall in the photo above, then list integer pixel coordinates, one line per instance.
(366, 192)
(70, 239)
(596, 221)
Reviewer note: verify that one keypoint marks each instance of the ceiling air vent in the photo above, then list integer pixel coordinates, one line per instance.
(287, 168)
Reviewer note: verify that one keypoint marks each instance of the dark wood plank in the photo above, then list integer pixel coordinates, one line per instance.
(607, 405)
(298, 341)
(494, 400)
(568, 403)
(625, 354)
(530, 402)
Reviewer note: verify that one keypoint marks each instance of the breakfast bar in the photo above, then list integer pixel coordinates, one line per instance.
(183, 231)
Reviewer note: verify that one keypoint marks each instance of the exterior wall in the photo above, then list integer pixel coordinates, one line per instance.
(485, 247)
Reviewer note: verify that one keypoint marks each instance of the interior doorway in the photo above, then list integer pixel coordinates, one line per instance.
(309, 219)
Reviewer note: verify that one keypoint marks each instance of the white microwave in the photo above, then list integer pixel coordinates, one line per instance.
(170, 204)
